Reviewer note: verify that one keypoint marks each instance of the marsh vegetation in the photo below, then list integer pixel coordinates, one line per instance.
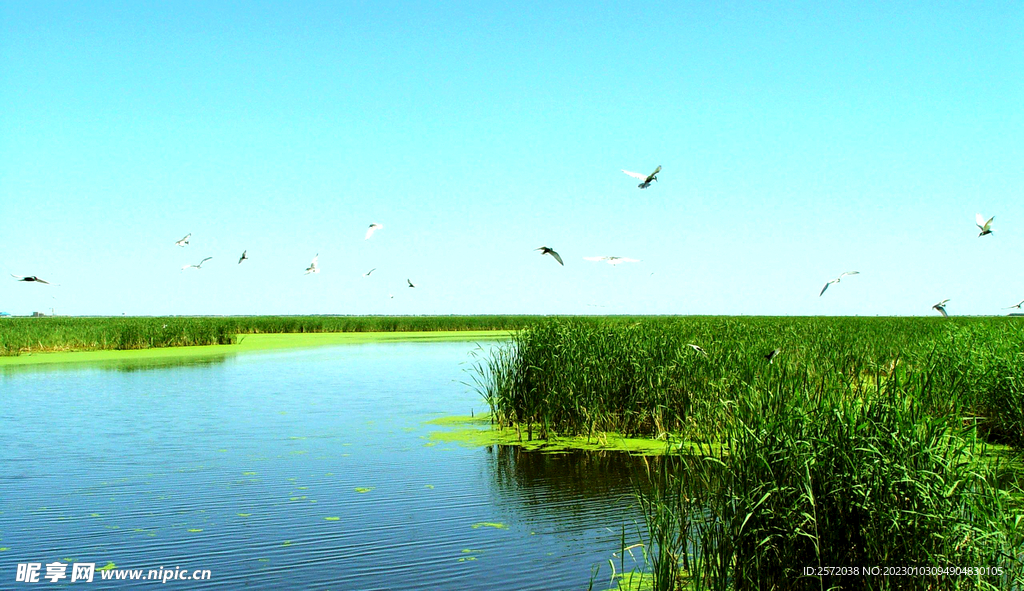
(881, 442)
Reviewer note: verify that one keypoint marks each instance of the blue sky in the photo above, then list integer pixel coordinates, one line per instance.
(798, 141)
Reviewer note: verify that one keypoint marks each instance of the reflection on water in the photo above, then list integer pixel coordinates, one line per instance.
(128, 365)
(296, 469)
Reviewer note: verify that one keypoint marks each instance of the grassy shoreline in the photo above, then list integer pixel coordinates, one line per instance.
(20, 336)
(244, 344)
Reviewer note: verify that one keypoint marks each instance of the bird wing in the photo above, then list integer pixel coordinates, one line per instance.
(636, 175)
(595, 258)
(942, 311)
(19, 277)
(203, 261)
(557, 257)
(982, 223)
(373, 228)
(824, 288)
(849, 273)
(617, 260)
(650, 177)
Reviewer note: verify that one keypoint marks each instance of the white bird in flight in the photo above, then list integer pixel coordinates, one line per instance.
(1018, 305)
(697, 348)
(986, 227)
(836, 280)
(312, 268)
(29, 278)
(612, 260)
(646, 179)
(184, 240)
(244, 257)
(199, 266)
(772, 355)
(545, 250)
(373, 228)
(367, 274)
(409, 281)
(941, 307)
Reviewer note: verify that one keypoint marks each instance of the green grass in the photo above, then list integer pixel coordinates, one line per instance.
(865, 443)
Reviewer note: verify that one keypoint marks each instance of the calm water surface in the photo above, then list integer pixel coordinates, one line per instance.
(296, 469)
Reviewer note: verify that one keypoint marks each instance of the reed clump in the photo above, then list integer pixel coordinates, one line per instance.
(864, 446)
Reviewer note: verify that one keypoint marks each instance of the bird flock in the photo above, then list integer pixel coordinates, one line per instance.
(984, 225)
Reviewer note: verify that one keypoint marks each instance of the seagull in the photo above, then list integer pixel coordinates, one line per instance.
(199, 266)
(612, 260)
(836, 280)
(367, 274)
(373, 228)
(312, 268)
(244, 257)
(184, 240)
(1017, 306)
(697, 348)
(986, 227)
(941, 307)
(545, 250)
(29, 278)
(409, 281)
(646, 178)
(772, 355)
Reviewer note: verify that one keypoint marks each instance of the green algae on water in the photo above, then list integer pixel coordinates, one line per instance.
(477, 431)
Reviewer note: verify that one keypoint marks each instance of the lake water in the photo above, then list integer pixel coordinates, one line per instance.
(309, 469)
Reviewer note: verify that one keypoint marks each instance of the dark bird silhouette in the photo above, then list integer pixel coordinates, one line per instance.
(29, 278)
(545, 250)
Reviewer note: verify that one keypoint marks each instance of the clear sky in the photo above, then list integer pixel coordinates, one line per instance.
(798, 140)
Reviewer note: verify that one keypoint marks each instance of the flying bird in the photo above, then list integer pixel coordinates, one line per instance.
(184, 240)
(941, 307)
(244, 257)
(1016, 306)
(373, 228)
(697, 348)
(545, 250)
(612, 260)
(199, 266)
(836, 280)
(772, 355)
(367, 274)
(29, 278)
(646, 179)
(312, 268)
(409, 281)
(986, 227)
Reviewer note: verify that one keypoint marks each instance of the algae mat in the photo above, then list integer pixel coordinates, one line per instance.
(478, 432)
(249, 343)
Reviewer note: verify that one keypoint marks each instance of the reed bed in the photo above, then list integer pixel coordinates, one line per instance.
(32, 335)
(865, 443)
